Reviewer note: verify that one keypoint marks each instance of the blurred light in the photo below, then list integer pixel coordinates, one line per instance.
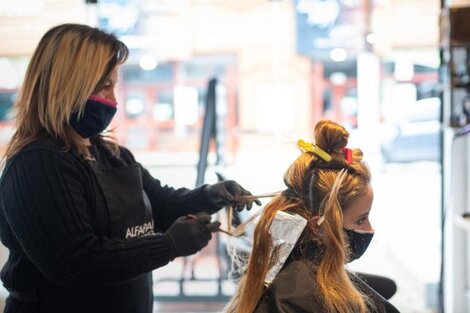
(134, 107)
(162, 111)
(148, 63)
(338, 54)
(322, 13)
(338, 78)
(371, 38)
(186, 105)
(404, 70)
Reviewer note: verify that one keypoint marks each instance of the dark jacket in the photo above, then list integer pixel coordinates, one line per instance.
(55, 221)
(292, 291)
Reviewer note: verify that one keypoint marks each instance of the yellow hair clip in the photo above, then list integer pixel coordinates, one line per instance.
(310, 147)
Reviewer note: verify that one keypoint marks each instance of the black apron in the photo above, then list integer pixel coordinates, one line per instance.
(126, 213)
(129, 209)
(129, 215)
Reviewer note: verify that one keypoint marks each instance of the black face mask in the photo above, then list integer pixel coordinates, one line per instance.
(358, 242)
(97, 115)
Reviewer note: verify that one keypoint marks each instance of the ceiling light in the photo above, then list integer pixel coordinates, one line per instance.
(338, 54)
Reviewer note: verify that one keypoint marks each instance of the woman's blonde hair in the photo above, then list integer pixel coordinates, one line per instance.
(312, 192)
(70, 63)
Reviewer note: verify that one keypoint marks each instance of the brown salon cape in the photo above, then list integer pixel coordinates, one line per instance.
(292, 291)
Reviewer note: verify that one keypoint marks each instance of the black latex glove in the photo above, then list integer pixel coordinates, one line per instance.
(225, 193)
(189, 234)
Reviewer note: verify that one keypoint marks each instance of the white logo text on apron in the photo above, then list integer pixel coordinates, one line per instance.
(140, 230)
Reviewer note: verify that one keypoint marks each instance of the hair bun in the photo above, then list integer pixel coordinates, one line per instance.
(330, 136)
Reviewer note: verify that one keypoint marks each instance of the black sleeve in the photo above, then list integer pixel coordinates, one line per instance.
(167, 202)
(44, 199)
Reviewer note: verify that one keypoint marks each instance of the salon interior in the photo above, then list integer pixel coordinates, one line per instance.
(395, 73)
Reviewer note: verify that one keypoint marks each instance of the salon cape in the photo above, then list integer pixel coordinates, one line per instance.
(292, 291)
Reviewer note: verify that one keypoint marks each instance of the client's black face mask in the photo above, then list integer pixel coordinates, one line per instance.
(358, 242)
(97, 115)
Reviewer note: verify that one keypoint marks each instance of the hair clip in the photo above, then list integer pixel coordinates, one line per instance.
(348, 155)
(310, 147)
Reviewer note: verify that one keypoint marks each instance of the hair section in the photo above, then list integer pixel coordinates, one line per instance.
(314, 188)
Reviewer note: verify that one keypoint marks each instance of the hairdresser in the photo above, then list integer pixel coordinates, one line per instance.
(84, 223)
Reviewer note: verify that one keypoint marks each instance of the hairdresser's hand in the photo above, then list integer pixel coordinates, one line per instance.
(226, 193)
(189, 234)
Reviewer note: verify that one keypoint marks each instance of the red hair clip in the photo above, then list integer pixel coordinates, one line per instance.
(348, 155)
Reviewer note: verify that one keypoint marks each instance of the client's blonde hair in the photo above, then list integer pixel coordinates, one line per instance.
(310, 181)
